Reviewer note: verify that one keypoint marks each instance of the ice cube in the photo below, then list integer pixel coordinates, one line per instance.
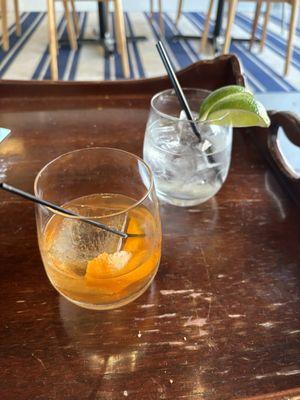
(184, 130)
(183, 166)
(105, 262)
(182, 115)
(76, 242)
(205, 145)
(119, 259)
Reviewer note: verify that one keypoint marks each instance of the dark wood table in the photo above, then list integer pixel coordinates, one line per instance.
(220, 321)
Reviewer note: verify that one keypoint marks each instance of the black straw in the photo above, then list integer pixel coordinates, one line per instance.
(182, 99)
(55, 207)
(176, 85)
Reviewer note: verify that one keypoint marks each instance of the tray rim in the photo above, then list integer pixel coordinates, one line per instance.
(22, 88)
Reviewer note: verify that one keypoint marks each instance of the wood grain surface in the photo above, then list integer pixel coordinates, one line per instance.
(220, 321)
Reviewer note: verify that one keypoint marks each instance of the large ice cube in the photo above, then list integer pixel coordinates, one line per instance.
(75, 242)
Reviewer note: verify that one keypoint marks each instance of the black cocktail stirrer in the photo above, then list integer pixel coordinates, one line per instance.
(176, 86)
(55, 207)
(180, 95)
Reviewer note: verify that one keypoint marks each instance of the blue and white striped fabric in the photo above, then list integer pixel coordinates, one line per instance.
(28, 56)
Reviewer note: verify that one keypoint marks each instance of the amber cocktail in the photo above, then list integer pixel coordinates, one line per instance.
(90, 266)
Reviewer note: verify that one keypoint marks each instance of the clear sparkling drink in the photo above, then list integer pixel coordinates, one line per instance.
(187, 172)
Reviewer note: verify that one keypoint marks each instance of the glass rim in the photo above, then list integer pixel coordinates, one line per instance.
(176, 119)
(170, 117)
(134, 205)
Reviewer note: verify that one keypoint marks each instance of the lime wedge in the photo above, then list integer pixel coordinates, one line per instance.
(218, 95)
(239, 110)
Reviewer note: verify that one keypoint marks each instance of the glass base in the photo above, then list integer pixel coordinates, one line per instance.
(110, 306)
(183, 202)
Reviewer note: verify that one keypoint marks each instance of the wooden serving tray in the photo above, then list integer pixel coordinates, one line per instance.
(220, 321)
